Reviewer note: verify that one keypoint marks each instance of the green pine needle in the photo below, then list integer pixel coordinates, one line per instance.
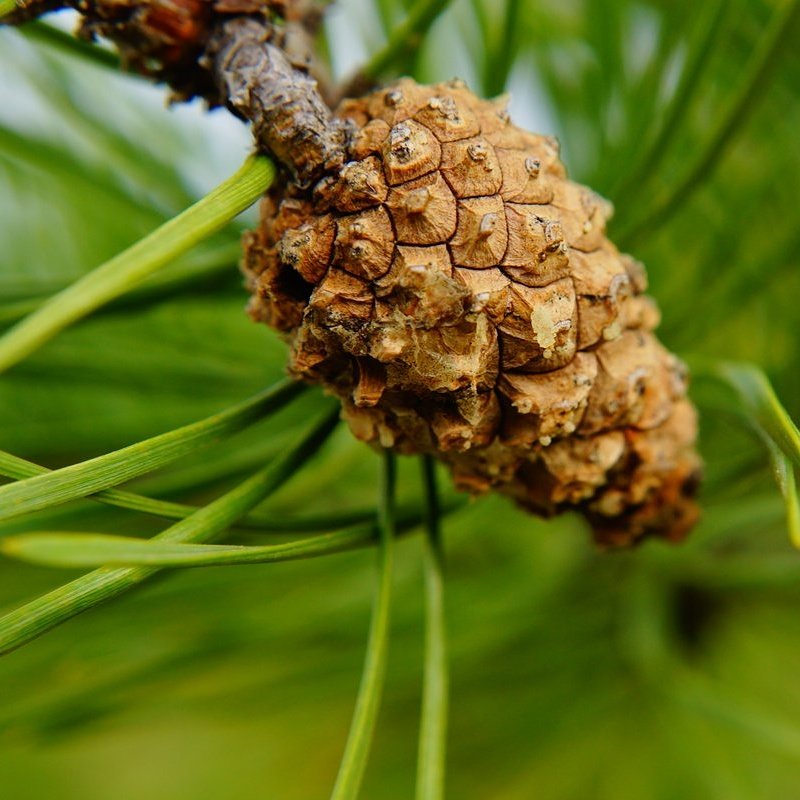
(762, 404)
(498, 66)
(70, 550)
(40, 615)
(12, 466)
(189, 275)
(130, 267)
(365, 715)
(756, 77)
(60, 40)
(779, 432)
(406, 38)
(100, 473)
(433, 724)
(648, 160)
(784, 473)
(764, 411)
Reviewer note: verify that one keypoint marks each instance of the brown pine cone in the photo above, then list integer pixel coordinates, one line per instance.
(460, 297)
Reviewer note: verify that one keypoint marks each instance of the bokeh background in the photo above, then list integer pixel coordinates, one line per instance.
(655, 674)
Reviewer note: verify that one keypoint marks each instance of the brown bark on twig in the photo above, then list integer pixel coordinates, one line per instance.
(289, 116)
(230, 53)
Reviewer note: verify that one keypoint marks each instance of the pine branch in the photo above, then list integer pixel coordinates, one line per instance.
(289, 117)
(229, 57)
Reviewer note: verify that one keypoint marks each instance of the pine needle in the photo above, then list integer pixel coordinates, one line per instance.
(12, 466)
(41, 615)
(784, 473)
(70, 549)
(433, 724)
(187, 276)
(130, 267)
(762, 404)
(41, 32)
(119, 466)
(648, 159)
(406, 37)
(757, 75)
(765, 413)
(362, 728)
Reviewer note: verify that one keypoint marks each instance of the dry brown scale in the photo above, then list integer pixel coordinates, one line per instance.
(459, 294)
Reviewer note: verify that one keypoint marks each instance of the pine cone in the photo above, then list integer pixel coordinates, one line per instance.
(459, 295)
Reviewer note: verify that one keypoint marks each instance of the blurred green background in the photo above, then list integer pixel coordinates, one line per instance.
(667, 672)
